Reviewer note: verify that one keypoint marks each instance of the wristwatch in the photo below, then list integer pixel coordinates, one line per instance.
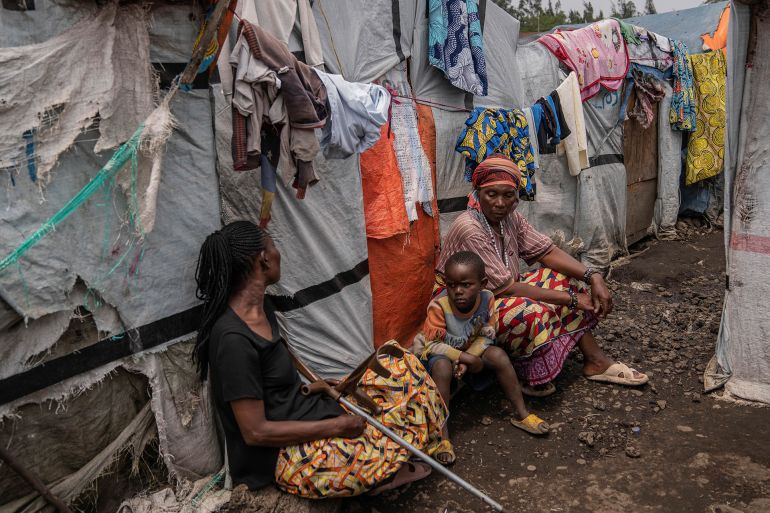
(587, 275)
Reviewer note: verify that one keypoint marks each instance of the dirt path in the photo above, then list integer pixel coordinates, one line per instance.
(695, 453)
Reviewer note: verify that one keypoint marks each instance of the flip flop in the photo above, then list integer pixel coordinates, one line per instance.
(530, 391)
(532, 424)
(445, 447)
(408, 473)
(620, 374)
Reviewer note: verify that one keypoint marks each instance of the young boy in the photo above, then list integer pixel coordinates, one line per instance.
(458, 337)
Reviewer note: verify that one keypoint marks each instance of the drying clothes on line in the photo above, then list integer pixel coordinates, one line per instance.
(504, 131)
(292, 22)
(576, 145)
(413, 162)
(357, 113)
(682, 114)
(629, 32)
(597, 53)
(706, 147)
(655, 73)
(275, 96)
(456, 45)
(654, 50)
(533, 142)
(551, 125)
(647, 90)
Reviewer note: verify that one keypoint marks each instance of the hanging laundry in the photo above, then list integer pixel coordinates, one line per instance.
(278, 90)
(653, 50)
(456, 45)
(550, 123)
(505, 131)
(629, 32)
(647, 91)
(576, 145)
(533, 142)
(682, 114)
(706, 147)
(597, 53)
(357, 113)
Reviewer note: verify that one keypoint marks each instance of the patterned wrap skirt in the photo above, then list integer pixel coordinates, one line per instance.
(340, 467)
(538, 336)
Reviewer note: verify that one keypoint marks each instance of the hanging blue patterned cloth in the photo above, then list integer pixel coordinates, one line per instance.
(488, 131)
(682, 113)
(456, 45)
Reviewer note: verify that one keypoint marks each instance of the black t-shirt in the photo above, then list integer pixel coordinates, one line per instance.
(244, 365)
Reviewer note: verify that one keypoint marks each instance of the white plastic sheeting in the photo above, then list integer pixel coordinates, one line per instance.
(743, 351)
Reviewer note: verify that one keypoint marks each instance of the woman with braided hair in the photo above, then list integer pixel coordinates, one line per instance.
(307, 445)
(542, 314)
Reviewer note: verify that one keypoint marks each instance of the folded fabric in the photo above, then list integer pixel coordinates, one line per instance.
(504, 131)
(576, 145)
(706, 146)
(597, 53)
(357, 113)
(682, 114)
(456, 45)
(647, 91)
(654, 50)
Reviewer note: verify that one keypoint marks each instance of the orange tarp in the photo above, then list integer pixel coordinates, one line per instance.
(719, 40)
(400, 266)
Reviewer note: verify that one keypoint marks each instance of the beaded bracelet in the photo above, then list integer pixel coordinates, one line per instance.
(587, 276)
(573, 299)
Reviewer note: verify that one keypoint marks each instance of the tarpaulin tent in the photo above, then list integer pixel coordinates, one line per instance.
(743, 350)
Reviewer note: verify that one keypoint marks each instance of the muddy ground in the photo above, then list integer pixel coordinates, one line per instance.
(691, 453)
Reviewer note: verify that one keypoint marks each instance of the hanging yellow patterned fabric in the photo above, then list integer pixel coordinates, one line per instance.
(706, 147)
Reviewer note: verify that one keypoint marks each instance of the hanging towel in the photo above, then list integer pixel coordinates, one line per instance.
(357, 113)
(576, 145)
(505, 131)
(706, 147)
(456, 45)
(597, 53)
(682, 114)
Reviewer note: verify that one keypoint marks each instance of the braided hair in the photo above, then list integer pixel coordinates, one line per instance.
(226, 259)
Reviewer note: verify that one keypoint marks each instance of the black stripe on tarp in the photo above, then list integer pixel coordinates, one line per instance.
(321, 291)
(101, 353)
(395, 10)
(448, 205)
(167, 71)
(152, 335)
(603, 160)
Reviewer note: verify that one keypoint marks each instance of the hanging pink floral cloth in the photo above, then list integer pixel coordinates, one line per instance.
(597, 53)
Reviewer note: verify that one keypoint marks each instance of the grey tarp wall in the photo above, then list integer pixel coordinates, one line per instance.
(743, 350)
(53, 277)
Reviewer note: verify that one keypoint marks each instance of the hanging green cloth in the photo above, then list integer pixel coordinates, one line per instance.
(629, 34)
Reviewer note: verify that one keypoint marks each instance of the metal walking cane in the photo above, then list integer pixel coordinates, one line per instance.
(348, 385)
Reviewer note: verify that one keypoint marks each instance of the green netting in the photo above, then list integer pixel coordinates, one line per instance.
(128, 151)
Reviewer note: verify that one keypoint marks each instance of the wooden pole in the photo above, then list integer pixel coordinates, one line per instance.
(34, 481)
(210, 32)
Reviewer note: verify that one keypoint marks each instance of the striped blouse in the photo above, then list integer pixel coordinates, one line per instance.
(521, 241)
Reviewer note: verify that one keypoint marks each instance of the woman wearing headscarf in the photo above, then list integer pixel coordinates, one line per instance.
(542, 314)
(308, 445)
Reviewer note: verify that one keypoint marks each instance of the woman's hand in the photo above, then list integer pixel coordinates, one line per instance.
(349, 426)
(600, 296)
(585, 302)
